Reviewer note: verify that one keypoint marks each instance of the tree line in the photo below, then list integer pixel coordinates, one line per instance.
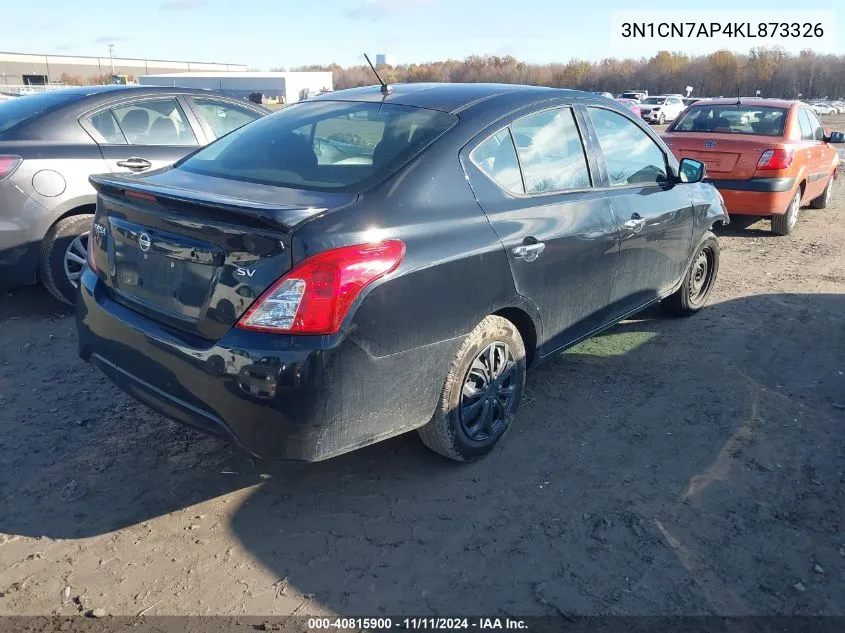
(772, 71)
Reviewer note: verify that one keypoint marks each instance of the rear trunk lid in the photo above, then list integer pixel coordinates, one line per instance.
(728, 157)
(193, 252)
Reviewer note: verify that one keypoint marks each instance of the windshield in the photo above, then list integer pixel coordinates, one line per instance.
(733, 119)
(19, 109)
(322, 145)
(655, 101)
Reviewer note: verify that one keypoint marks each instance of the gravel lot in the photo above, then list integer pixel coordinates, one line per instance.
(688, 466)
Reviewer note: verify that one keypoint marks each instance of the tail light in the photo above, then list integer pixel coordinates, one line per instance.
(315, 296)
(776, 159)
(9, 164)
(92, 244)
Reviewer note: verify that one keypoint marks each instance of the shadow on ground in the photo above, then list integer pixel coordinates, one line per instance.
(664, 467)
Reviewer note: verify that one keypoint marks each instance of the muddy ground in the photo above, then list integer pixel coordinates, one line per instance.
(688, 466)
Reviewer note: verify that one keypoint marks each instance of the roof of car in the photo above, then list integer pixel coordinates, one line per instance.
(447, 97)
(87, 91)
(751, 101)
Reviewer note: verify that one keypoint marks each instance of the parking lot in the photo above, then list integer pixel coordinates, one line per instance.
(670, 466)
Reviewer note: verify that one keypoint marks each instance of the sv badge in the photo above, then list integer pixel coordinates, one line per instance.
(244, 272)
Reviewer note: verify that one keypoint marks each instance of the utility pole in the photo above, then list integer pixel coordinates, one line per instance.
(111, 58)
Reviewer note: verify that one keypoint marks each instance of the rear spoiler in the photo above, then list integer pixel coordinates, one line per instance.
(255, 213)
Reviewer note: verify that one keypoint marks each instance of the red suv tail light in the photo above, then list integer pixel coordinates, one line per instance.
(8, 164)
(776, 159)
(314, 296)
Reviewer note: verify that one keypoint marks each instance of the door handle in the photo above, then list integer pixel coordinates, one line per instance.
(528, 252)
(135, 164)
(635, 223)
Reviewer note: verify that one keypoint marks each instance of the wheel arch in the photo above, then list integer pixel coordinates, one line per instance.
(526, 327)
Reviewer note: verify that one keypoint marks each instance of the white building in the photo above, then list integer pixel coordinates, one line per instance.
(292, 86)
(33, 70)
(385, 59)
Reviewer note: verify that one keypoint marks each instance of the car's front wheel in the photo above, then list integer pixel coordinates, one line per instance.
(482, 392)
(698, 281)
(661, 119)
(63, 255)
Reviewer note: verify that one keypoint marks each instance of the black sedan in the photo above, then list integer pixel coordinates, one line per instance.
(50, 143)
(372, 262)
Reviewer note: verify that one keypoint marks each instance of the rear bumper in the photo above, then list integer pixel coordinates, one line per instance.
(303, 398)
(756, 196)
(20, 238)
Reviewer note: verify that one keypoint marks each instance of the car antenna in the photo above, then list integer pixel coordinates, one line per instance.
(385, 88)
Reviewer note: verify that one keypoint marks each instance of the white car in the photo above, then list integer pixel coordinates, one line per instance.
(661, 108)
(823, 108)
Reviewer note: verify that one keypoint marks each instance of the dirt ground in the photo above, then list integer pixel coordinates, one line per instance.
(690, 466)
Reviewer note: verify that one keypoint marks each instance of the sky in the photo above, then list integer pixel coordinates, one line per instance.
(265, 34)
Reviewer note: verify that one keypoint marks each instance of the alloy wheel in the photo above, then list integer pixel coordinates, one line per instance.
(75, 258)
(489, 392)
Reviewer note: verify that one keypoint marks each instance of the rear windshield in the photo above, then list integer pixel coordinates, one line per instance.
(19, 109)
(322, 145)
(732, 119)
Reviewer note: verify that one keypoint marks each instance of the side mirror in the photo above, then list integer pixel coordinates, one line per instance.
(835, 137)
(691, 170)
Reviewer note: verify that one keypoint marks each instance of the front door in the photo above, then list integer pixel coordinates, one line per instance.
(143, 134)
(533, 181)
(655, 215)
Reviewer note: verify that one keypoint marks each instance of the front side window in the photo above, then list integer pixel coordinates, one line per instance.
(223, 117)
(630, 154)
(323, 145)
(496, 157)
(154, 122)
(550, 152)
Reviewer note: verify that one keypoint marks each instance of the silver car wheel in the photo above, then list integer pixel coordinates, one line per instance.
(75, 258)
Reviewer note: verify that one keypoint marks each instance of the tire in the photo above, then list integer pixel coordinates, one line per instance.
(823, 200)
(67, 238)
(460, 428)
(783, 224)
(661, 119)
(698, 280)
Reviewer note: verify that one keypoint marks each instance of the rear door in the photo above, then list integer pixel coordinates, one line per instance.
(655, 215)
(533, 180)
(144, 134)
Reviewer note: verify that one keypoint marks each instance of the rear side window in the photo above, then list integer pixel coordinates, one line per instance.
(496, 157)
(19, 109)
(323, 145)
(550, 152)
(807, 133)
(105, 128)
(732, 119)
(818, 130)
(223, 117)
(154, 122)
(630, 154)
